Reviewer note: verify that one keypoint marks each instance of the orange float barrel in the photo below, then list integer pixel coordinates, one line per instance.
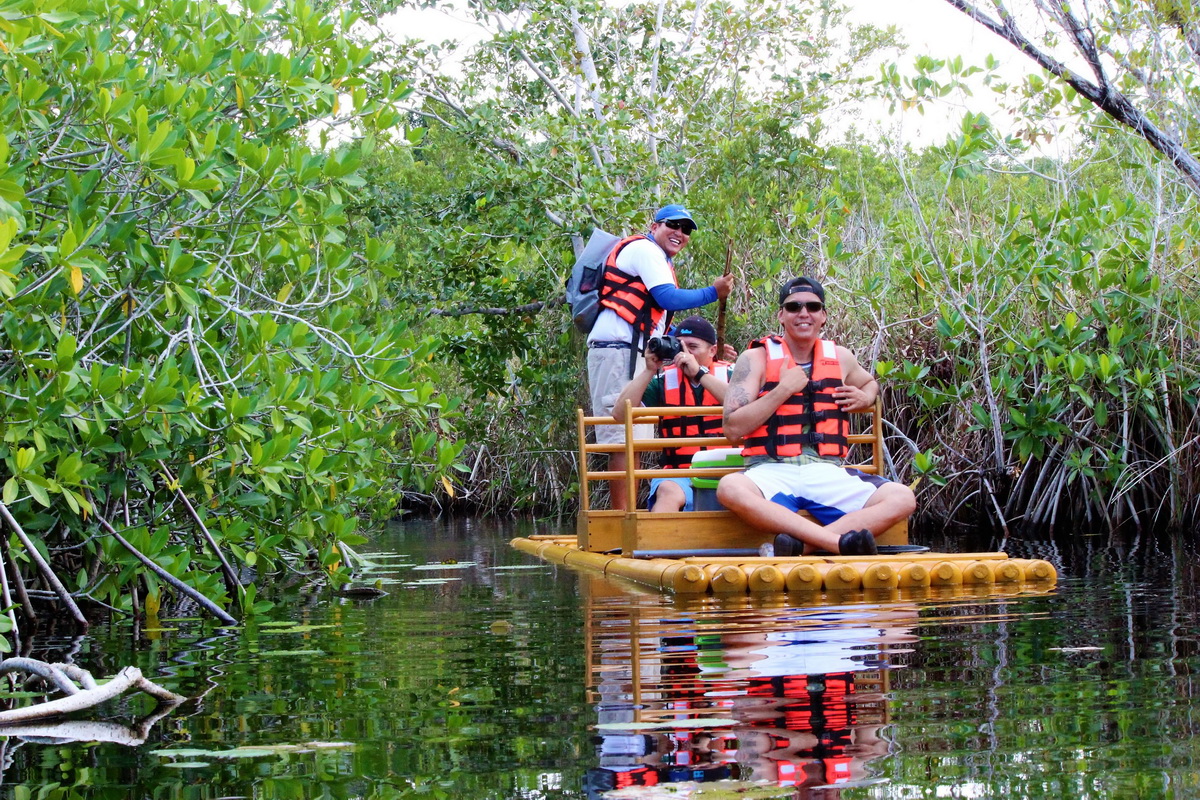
(945, 573)
(1036, 570)
(766, 578)
(803, 578)
(554, 552)
(915, 575)
(837, 577)
(647, 573)
(727, 579)
(977, 573)
(685, 579)
(880, 576)
(1007, 572)
(583, 558)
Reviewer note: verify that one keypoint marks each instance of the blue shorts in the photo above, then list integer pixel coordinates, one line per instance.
(682, 483)
(823, 489)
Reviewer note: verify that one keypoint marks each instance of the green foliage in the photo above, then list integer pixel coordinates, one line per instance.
(182, 315)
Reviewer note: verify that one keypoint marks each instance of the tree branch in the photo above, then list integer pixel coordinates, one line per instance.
(1104, 96)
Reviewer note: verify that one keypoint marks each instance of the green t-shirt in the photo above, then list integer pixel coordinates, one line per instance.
(655, 395)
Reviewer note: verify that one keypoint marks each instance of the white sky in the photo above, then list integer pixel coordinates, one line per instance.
(930, 27)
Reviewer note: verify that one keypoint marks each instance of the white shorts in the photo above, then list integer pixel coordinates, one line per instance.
(825, 490)
(608, 375)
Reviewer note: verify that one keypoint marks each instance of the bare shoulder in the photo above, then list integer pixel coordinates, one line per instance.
(847, 358)
(749, 363)
(852, 372)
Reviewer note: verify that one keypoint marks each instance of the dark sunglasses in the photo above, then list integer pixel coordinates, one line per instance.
(680, 225)
(813, 306)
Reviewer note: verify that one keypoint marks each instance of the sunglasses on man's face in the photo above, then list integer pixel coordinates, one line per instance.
(680, 225)
(813, 306)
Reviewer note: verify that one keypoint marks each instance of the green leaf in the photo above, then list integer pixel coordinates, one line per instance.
(252, 500)
(38, 492)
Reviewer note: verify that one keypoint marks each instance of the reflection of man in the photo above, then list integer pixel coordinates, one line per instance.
(788, 401)
(809, 759)
(639, 289)
(693, 379)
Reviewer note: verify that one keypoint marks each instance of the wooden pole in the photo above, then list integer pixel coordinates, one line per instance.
(722, 302)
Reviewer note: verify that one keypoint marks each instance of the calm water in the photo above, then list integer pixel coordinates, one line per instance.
(485, 675)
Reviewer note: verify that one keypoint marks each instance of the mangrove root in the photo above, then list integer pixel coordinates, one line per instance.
(86, 694)
(44, 568)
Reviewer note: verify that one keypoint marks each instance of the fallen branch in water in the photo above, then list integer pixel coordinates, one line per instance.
(80, 688)
(204, 602)
(88, 730)
(231, 582)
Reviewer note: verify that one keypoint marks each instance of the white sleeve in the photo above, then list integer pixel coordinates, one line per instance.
(646, 260)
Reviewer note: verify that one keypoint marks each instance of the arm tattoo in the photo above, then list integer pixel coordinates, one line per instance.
(741, 370)
(735, 398)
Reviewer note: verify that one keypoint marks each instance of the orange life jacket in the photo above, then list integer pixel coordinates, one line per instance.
(678, 391)
(784, 433)
(627, 295)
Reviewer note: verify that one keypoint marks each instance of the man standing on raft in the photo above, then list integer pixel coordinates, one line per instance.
(788, 402)
(639, 290)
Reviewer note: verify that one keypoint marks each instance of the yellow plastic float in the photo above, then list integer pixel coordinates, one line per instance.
(644, 547)
(698, 575)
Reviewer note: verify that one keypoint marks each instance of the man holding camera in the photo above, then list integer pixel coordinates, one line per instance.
(787, 402)
(638, 291)
(692, 377)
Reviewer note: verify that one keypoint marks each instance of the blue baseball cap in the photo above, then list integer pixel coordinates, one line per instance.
(675, 211)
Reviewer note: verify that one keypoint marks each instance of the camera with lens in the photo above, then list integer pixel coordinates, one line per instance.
(665, 348)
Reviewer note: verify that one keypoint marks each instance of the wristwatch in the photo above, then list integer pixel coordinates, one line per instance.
(700, 373)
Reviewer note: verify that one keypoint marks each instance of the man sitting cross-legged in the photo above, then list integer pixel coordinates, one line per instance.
(787, 402)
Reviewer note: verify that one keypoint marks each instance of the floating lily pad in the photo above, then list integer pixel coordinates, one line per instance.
(457, 565)
(1087, 649)
(180, 752)
(187, 764)
(296, 629)
(245, 752)
(278, 624)
(309, 746)
(430, 581)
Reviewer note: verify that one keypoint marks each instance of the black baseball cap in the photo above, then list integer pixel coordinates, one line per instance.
(801, 284)
(698, 327)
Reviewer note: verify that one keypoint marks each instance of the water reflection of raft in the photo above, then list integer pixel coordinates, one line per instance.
(610, 541)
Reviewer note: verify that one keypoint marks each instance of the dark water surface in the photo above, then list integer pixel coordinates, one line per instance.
(486, 675)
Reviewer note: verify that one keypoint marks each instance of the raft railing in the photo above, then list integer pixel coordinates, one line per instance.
(601, 530)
